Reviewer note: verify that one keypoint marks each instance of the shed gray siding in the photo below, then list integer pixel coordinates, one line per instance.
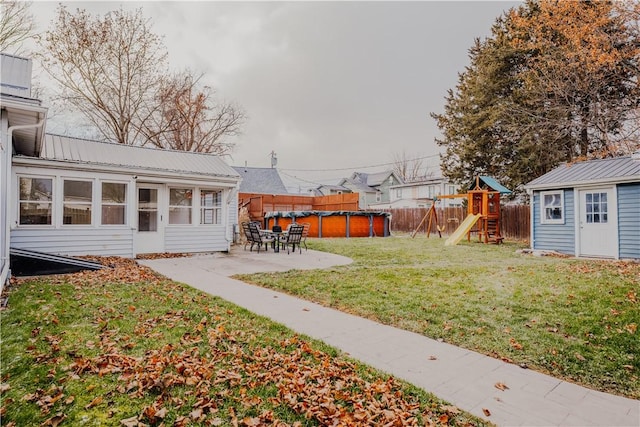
(116, 241)
(629, 220)
(555, 237)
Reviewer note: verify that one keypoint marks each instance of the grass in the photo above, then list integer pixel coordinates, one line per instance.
(573, 319)
(127, 348)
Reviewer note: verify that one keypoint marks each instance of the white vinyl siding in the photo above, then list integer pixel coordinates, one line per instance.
(195, 239)
(81, 241)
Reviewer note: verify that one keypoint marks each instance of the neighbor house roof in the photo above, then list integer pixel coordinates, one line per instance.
(260, 180)
(374, 179)
(357, 186)
(112, 156)
(614, 170)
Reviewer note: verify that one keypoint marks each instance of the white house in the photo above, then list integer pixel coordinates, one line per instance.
(70, 196)
(22, 121)
(420, 194)
(80, 197)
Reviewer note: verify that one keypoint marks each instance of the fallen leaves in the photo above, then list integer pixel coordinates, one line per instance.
(501, 386)
(207, 367)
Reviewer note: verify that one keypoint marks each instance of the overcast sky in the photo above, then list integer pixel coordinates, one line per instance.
(325, 85)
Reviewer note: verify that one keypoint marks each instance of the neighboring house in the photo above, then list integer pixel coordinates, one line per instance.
(22, 121)
(328, 190)
(420, 194)
(70, 196)
(260, 181)
(589, 209)
(373, 188)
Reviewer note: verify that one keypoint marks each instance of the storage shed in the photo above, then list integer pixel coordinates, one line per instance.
(589, 209)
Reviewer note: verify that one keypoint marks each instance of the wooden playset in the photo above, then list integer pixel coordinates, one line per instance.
(483, 212)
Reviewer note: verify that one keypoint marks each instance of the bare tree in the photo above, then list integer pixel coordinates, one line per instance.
(409, 168)
(108, 68)
(16, 25)
(189, 119)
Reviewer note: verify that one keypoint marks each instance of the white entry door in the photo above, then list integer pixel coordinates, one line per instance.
(150, 227)
(598, 223)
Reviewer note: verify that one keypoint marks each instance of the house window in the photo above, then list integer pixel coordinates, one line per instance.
(399, 193)
(378, 196)
(35, 201)
(552, 207)
(596, 208)
(77, 200)
(114, 203)
(180, 202)
(210, 207)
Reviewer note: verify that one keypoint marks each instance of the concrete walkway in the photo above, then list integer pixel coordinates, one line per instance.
(464, 378)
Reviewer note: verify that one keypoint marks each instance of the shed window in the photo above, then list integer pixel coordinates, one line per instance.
(35, 201)
(210, 207)
(180, 203)
(552, 207)
(114, 203)
(78, 197)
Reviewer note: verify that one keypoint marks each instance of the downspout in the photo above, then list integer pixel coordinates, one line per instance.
(531, 217)
(7, 177)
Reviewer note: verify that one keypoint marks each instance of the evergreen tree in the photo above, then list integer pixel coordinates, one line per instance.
(556, 81)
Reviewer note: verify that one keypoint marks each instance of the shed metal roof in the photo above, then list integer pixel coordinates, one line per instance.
(615, 170)
(260, 180)
(81, 151)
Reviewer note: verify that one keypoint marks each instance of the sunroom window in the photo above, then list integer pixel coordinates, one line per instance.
(210, 207)
(35, 201)
(78, 198)
(180, 203)
(114, 203)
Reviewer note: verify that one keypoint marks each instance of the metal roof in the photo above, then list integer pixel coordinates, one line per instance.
(491, 182)
(260, 180)
(82, 151)
(618, 169)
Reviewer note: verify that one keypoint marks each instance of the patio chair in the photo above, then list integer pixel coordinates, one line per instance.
(256, 238)
(305, 233)
(293, 238)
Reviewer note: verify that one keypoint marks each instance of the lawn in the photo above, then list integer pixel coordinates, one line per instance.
(573, 319)
(124, 347)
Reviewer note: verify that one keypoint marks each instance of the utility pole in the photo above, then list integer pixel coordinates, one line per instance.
(274, 159)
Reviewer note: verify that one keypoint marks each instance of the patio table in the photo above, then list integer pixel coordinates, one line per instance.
(277, 235)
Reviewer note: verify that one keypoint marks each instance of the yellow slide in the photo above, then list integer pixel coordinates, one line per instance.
(463, 229)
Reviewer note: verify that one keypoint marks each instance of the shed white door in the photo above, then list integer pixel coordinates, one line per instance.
(150, 231)
(598, 225)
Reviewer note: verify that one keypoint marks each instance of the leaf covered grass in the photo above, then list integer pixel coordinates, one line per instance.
(124, 347)
(574, 319)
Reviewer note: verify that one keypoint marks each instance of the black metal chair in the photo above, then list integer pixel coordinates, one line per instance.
(255, 236)
(293, 238)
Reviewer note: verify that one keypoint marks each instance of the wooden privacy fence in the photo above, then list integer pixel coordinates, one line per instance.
(258, 205)
(514, 220)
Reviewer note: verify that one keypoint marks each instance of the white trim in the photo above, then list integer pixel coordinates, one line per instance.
(543, 217)
(584, 184)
